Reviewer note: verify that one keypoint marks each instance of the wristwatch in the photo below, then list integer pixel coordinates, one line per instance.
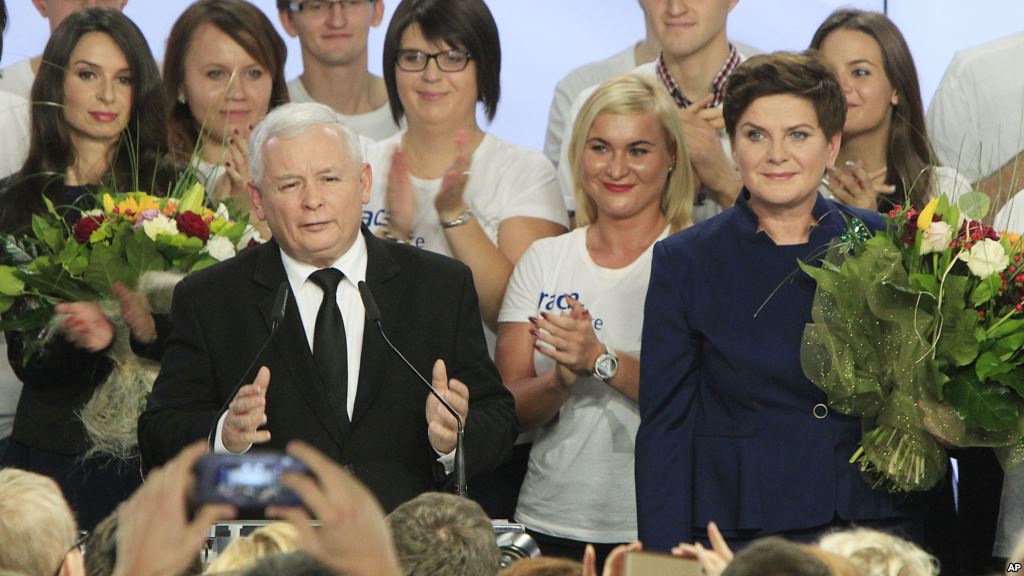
(606, 366)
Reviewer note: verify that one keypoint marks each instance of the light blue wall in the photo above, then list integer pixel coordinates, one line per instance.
(544, 39)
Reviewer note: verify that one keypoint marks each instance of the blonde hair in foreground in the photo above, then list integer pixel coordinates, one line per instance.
(879, 554)
(36, 523)
(630, 94)
(264, 541)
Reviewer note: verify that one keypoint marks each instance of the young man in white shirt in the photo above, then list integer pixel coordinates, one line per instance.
(333, 36)
(18, 77)
(976, 117)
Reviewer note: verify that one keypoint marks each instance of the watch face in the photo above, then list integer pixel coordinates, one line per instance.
(606, 366)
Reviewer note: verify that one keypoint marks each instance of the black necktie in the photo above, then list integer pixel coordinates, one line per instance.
(330, 352)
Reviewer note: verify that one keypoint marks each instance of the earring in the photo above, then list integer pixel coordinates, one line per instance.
(181, 98)
(671, 168)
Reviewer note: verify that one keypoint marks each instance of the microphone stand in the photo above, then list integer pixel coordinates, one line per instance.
(373, 314)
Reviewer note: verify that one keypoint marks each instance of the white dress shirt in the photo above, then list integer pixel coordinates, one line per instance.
(308, 297)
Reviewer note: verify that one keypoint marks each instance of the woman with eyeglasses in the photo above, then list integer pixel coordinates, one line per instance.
(444, 184)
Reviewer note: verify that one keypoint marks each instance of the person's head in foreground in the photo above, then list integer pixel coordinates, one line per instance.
(438, 534)
(38, 534)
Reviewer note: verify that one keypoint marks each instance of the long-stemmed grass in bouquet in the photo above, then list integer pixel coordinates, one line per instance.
(917, 329)
(77, 253)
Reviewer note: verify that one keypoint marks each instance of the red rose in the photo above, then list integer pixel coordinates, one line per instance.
(84, 228)
(192, 224)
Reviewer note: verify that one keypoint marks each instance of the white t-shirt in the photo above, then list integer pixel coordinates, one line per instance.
(18, 78)
(976, 117)
(703, 207)
(579, 483)
(14, 132)
(505, 181)
(575, 82)
(376, 125)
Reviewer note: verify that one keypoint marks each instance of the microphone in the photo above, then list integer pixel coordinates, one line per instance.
(276, 317)
(373, 315)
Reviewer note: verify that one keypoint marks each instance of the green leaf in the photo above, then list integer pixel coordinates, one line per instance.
(45, 230)
(989, 364)
(106, 266)
(981, 405)
(957, 341)
(142, 254)
(983, 292)
(1009, 345)
(204, 262)
(1004, 328)
(30, 321)
(10, 284)
(974, 205)
(1013, 380)
(925, 283)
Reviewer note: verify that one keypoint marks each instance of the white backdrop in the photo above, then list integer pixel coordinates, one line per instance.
(544, 39)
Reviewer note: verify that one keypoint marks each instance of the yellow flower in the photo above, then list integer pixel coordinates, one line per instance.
(192, 200)
(924, 220)
(108, 203)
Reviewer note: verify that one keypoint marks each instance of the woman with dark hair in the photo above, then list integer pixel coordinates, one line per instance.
(96, 122)
(223, 71)
(443, 183)
(886, 158)
(731, 430)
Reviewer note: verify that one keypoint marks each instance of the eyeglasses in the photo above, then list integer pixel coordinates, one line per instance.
(447, 61)
(78, 545)
(324, 6)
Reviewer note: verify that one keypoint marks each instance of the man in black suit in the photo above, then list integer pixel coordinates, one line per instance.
(308, 184)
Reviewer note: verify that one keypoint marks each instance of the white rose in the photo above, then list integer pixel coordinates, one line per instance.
(936, 238)
(250, 233)
(160, 225)
(220, 248)
(986, 258)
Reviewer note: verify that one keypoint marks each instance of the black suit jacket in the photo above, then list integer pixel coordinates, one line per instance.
(220, 316)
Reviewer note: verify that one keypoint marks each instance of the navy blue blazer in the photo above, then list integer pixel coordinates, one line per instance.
(728, 431)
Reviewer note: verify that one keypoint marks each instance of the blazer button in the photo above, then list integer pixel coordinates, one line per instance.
(820, 411)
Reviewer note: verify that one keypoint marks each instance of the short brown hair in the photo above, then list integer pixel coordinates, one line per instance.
(245, 24)
(804, 75)
(439, 534)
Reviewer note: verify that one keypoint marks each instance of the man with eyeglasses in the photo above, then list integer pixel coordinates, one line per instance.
(18, 77)
(333, 36)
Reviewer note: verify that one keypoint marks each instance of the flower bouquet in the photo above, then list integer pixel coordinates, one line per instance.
(78, 253)
(917, 329)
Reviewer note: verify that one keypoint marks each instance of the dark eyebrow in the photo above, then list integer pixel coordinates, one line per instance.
(860, 61)
(94, 65)
(788, 128)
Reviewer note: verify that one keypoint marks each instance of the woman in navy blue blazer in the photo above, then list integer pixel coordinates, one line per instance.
(731, 430)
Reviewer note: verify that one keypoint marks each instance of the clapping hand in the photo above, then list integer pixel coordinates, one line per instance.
(854, 186)
(449, 201)
(570, 340)
(246, 413)
(236, 167)
(441, 425)
(85, 325)
(400, 198)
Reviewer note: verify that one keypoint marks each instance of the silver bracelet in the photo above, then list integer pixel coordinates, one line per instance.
(459, 220)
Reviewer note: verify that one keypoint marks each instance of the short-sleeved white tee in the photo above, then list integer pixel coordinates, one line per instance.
(579, 483)
(976, 117)
(505, 181)
(18, 78)
(375, 125)
(14, 130)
